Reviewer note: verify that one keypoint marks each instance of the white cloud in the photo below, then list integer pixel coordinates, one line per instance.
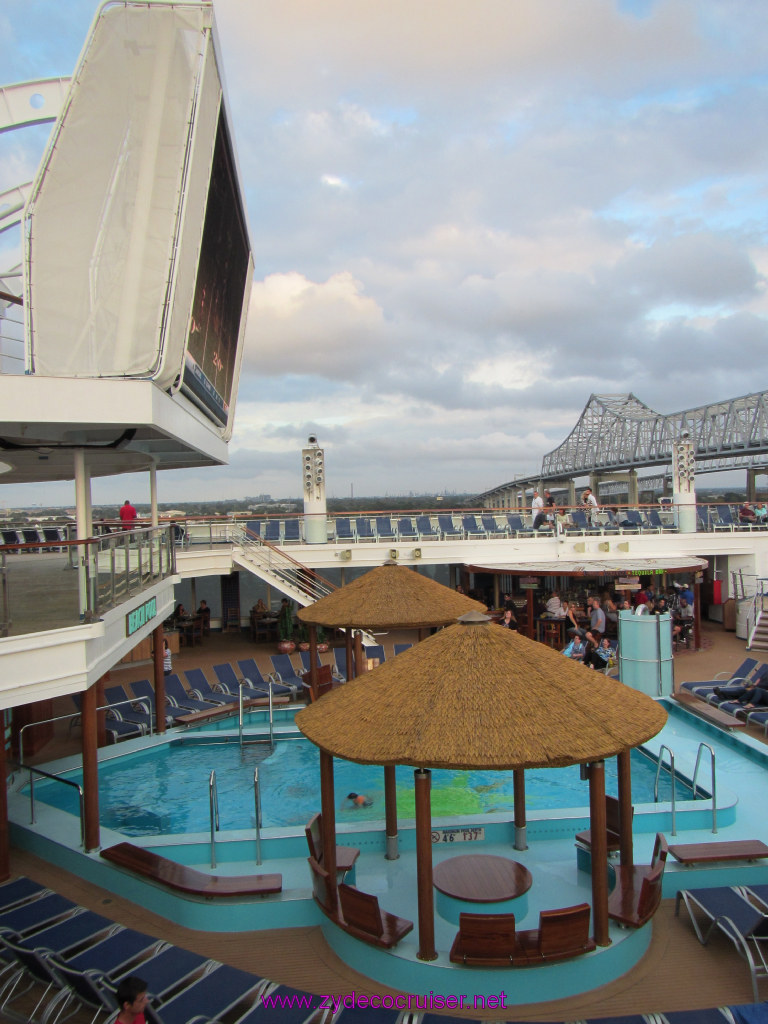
(468, 216)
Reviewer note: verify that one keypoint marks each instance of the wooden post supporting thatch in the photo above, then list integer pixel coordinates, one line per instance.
(626, 850)
(314, 682)
(159, 674)
(426, 899)
(90, 769)
(328, 806)
(518, 778)
(597, 825)
(390, 809)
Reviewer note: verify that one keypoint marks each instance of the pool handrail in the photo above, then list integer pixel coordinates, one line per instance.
(56, 778)
(257, 801)
(213, 798)
(703, 745)
(671, 753)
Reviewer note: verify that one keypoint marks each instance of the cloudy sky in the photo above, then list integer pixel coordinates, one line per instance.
(467, 217)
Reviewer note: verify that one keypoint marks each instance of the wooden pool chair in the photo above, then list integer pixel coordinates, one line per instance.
(484, 940)
(345, 855)
(637, 894)
(612, 827)
(562, 934)
(363, 917)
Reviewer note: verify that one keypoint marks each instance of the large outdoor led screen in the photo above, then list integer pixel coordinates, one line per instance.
(218, 306)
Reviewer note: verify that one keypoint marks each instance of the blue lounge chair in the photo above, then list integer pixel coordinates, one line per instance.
(425, 528)
(19, 890)
(727, 521)
(406, 530)
(375, 651)
(251, 672)
(705, 687)
(178, 696)
(28, 968)
(344, 530)
(582, 524)
(518, 527)
(30, 917)
(271, 532)
(291, 531)
(449, 529)
(126, 709)
(384, 529)
(116, 952)
(210, 997)
(230, 681)
(279, 1004)
(472, 529)
(201, 689)
(726, 909)
(253, 526)
(166, 970)
(364, 528)
(491, 526)
(340, 663)
(306, 661)
(82, 928)
(88, 988)
(145, 692)
(399, 648)
(657, 523)
(285, 672)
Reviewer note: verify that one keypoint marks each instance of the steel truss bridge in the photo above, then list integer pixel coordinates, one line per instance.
(618, 434)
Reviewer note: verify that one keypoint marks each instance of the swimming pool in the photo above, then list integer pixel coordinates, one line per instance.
(165, 790)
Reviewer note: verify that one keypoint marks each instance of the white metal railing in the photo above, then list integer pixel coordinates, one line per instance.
(213, 799)
(662, 748)
(713, 782)
(274, 565)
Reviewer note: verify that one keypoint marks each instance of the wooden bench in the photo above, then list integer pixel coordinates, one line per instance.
(561, 935)
(363, 918)
(612, 826)
(712, 714)
(345, 855)
(637, 893)
(187, 880)
(490, 940)
(484, 940)
(712, 853)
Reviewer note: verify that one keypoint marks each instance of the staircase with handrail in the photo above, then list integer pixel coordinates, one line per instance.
(275, 567)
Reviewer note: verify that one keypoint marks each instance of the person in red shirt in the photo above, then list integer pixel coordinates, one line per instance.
(127, 514)
(131, 997)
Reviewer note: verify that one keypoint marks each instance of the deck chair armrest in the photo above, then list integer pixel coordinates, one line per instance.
(171, 702)
(274, 677)
(114, 715)
(140, 705)
(196, 695)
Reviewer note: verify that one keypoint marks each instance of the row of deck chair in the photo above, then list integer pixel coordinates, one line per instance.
(70, 959)
(35, 535)
(749, 671)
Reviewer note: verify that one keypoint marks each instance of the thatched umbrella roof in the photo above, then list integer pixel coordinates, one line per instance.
(478, 696)
(390, 596)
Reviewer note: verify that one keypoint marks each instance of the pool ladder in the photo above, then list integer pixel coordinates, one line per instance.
(213, 798)
(673, 777)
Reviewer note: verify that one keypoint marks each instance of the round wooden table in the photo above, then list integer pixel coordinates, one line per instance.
(480, 878)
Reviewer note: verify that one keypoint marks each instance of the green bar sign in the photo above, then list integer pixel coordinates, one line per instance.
(140, 616)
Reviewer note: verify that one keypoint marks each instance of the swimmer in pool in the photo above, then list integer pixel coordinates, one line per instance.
(359, 800)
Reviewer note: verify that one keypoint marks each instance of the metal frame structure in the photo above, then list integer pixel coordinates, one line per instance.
(619, 433)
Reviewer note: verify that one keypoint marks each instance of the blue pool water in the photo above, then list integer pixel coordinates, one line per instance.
(165, 791)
